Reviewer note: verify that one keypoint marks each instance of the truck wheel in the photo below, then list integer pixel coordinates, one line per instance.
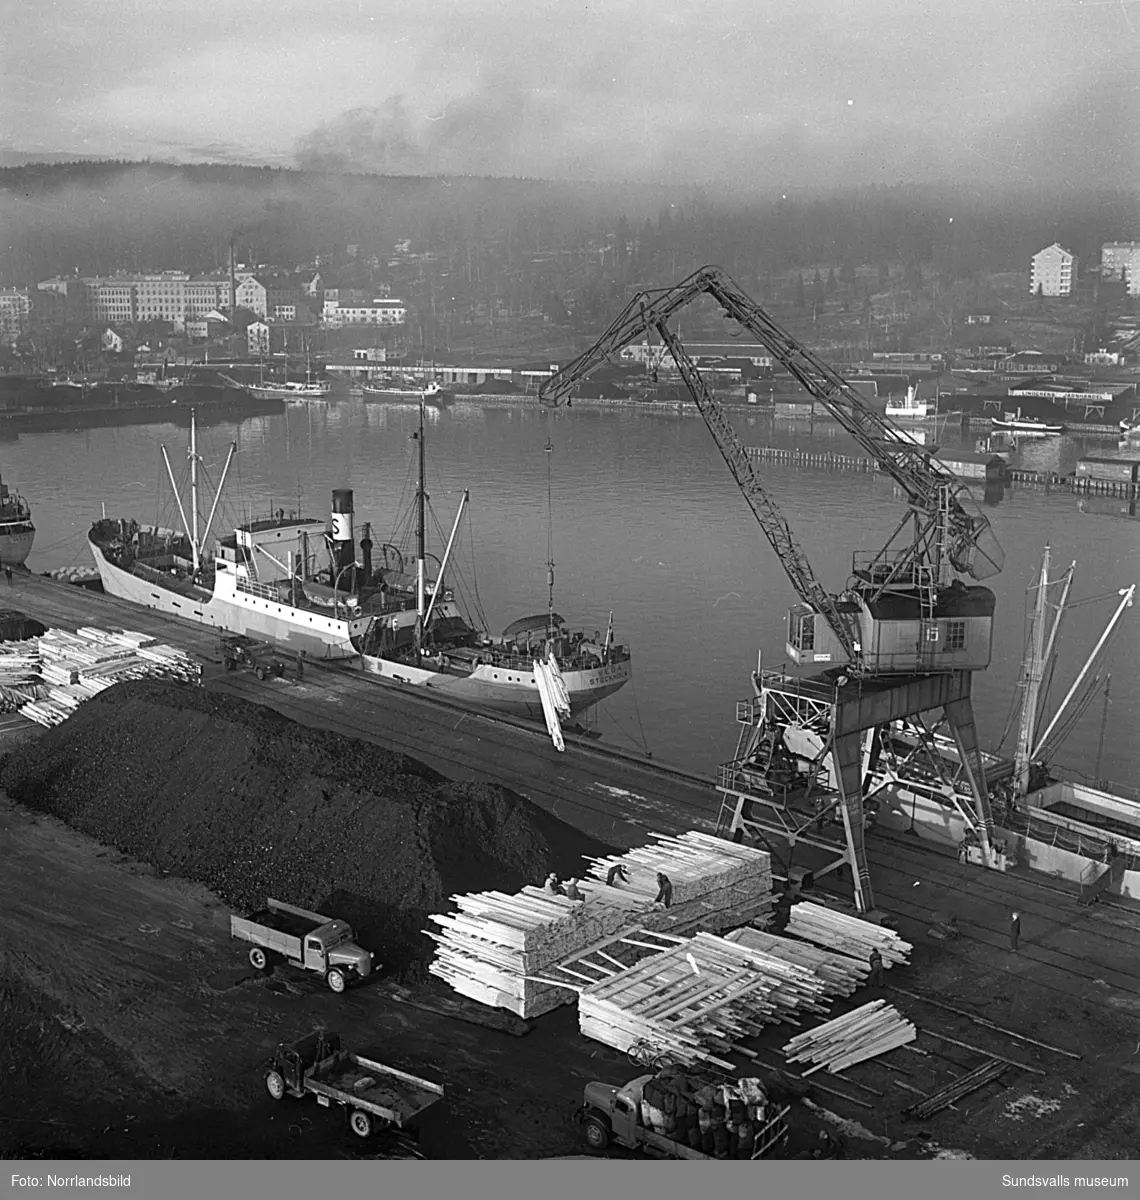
(275, 1085)
(360, 1123)
(336, 981)
(260, 673)
(258, 958)
(597, 1135)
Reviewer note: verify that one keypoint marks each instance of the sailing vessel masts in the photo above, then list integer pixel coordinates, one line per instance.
(1034, 673)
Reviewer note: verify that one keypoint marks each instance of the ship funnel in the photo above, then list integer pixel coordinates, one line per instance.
(344, 551)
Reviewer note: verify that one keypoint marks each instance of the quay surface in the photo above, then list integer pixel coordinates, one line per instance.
(1074, 983)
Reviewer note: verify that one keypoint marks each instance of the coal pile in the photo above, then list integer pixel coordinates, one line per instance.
(250, 804)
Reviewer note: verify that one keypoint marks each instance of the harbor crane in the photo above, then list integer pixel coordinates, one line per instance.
(902, 638)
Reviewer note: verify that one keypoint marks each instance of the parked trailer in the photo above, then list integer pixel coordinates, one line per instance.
(375, 1096)
(281, 932)
(610, 1115)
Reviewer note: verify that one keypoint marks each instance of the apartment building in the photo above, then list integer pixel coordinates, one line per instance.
(374, 312)
(1114, 258)
(15, 311)
(1053, 271)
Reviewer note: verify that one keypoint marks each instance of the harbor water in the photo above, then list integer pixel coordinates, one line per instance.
(645, 521)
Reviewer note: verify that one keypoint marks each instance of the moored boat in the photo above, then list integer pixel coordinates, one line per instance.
(910, 408)
(1026, 426)
(17, 533)
(266, 580)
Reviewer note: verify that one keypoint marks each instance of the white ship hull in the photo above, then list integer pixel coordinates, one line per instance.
(512, 692)
(256, 613)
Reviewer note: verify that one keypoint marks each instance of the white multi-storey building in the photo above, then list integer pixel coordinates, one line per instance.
(1114, 257)
(15, 310)
(376, 312)
(1132, 272)
(1053, 271)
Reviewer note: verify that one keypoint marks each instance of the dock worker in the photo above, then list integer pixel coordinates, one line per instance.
(664, 890)
(614, 874)
(875, 979)
(552, 887)
(8, 574)
(571, 890)
(1014, 931)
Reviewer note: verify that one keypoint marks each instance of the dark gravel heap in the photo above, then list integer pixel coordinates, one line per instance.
(251, 804)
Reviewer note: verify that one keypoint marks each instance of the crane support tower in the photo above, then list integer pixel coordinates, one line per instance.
(901, 638)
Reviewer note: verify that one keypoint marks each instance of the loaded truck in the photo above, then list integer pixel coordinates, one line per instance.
(620, 1116)
(374, 1096)
(266, 661)
(281, 932)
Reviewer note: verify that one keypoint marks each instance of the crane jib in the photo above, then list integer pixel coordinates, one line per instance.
(945, 533)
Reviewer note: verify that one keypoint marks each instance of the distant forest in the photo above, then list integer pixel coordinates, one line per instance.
(99, 217)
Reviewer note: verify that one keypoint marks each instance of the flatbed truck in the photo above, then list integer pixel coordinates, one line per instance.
(612, 1116)
(282, 932)
(375, 1096)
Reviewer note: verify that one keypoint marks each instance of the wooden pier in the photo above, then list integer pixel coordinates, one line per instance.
(1049, 481)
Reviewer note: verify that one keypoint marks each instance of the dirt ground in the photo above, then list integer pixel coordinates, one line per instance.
(132, 1026)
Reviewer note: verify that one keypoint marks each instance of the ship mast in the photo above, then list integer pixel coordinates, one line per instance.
(421, 500)
(1034, 673)
(194, 549)
(549, 450)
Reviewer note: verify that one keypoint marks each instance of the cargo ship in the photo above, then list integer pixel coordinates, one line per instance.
(267, 580)
(17, 533)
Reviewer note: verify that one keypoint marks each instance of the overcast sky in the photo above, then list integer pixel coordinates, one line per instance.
(761, 92)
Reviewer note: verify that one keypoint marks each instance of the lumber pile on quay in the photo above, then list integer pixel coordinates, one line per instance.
(839, 974)
(863, 1033)
(849, 936)
(533, 951)
(696, 1001)
(60, 670)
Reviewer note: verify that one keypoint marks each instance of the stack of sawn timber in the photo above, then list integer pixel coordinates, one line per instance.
(860, 1034)
(845, 934)
(839, 974)
(698, 1000)
(500, 949)
(717, 884)
(73, 667)
(496, 945)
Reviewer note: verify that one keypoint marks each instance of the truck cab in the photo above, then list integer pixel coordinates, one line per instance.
(294, 1061)
(613, 1114)
(332, 946)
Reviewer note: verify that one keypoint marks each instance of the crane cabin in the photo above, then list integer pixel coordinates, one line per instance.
(895, 638)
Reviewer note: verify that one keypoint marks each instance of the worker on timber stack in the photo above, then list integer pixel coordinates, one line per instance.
(664, 890)
(614, 874)
(552, 887)
(875, 979)
(571, 891)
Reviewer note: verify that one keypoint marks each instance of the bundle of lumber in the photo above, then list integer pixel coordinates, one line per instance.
(18, 664)
(717, 884)
(862, 1033)
(697, 1000)
(533, 951)
(496, 946)
(839, 974)
(73, 667)
(848, 935)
